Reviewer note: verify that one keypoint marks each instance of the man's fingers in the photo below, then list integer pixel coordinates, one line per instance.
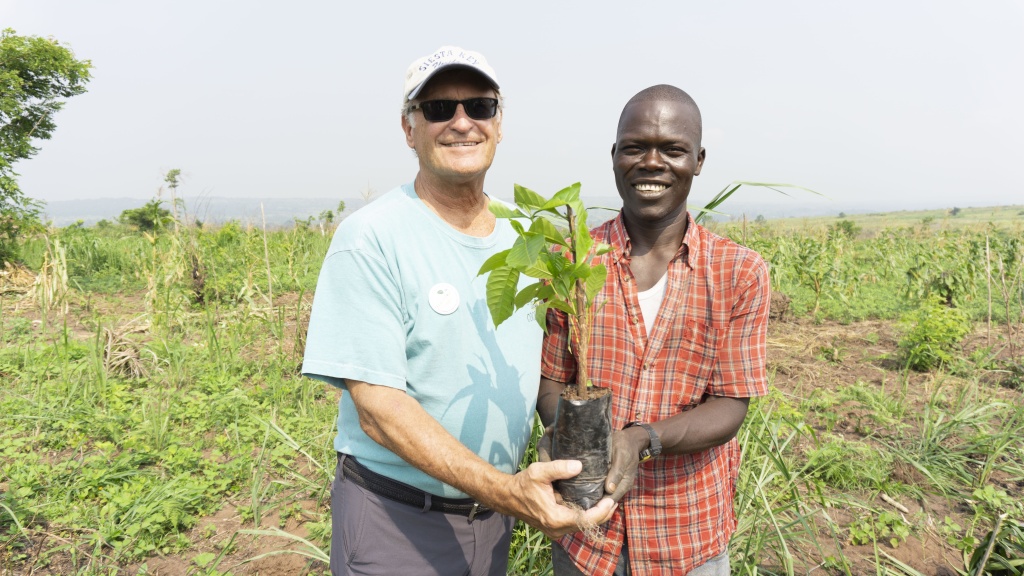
(555, 470)
(617, 491)
(601, 512)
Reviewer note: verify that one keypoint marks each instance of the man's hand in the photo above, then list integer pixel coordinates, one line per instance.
(534, 500)
(626, 447)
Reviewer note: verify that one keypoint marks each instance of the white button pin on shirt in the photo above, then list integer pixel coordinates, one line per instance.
(443, 298)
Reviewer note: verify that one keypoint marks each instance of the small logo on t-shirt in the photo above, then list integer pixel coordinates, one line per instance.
(443, 298)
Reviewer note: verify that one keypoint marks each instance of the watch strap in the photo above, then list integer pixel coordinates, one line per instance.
(655, 448)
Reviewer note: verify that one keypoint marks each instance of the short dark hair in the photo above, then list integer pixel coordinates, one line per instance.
(664, 93)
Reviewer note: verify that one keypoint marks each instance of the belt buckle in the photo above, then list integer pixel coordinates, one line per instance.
(474, 510)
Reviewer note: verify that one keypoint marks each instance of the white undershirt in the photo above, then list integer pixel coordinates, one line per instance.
(650, 302)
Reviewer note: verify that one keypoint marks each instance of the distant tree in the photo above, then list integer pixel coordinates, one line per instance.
(760, 219)
(148, 218)
(842, 214)
(954, 212)
(173, 179)
(37, 76)
(845, 228)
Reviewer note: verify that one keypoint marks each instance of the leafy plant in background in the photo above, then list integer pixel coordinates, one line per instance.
(950, 268)
(935, 332)
(820, 264)
(152, 216)
(1001, 551)
(846, 228)
(37, 76)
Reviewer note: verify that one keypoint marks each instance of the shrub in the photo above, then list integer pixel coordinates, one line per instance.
(150, 217)
(934, 332)
(847, 464)
(844, 227)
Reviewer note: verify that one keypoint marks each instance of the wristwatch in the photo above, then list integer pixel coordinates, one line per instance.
(655, 448)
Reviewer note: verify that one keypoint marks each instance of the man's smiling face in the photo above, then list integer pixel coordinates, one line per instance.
(460, 149)
(657, 153)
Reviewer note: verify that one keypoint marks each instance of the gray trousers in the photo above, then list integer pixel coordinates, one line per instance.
(564, 566)
(372, 535)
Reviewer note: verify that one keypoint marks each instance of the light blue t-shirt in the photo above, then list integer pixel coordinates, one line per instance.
(399, 303)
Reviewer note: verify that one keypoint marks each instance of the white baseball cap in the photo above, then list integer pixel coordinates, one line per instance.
(444, 58)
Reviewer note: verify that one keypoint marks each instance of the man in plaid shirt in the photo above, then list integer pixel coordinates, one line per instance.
(679, 337)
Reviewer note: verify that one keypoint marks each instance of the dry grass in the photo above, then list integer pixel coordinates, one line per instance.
(122, 355)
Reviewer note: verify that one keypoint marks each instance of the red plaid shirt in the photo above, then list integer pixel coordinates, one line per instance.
(709, 338)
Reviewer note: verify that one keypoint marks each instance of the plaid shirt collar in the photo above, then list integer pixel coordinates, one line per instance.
(689, 251)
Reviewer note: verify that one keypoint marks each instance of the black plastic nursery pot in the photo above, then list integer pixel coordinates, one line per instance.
(583, 431)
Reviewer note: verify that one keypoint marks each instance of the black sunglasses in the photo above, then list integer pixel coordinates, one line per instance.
(444, 110)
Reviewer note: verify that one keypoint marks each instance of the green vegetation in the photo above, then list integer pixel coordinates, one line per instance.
(153, 415)
(148, 218)
(37, 76)
(936, 331)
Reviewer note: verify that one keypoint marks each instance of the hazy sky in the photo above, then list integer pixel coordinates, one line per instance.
(878, 105)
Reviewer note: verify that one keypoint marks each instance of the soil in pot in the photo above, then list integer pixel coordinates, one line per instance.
(583, 431)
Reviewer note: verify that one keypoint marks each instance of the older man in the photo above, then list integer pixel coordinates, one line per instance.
(437, 405)
(679, 337)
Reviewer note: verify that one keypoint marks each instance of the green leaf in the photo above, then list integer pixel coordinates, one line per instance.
(493, 262)
(551, 234)
(602, 248)
(561, 305)
(546, 292)
(517, 226)
(540, 314)
(556, 262)
(728, 191)
(562, 285)
(527, 294)
(526, 198)
(569, 195)
(502, 210)
(583, 240)
(526, 250)
(203, 559)
(598, 275)
(538, 270)
(581, 270)
(501, 293)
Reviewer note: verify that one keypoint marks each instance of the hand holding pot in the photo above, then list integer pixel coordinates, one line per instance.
(626, 447)
(534, 500)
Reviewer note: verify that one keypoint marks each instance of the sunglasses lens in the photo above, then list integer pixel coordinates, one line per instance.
(439, 110)
(444, 110)
(481, 108)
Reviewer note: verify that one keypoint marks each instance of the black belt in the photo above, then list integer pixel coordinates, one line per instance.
(394, 490)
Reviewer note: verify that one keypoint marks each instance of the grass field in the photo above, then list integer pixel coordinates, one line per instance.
(153, 419)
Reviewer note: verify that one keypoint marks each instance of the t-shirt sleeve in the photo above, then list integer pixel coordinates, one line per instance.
(741, 371)
(557, 362)
(357, 326)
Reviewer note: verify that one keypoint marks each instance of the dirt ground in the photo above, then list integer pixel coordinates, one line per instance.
(803, 357)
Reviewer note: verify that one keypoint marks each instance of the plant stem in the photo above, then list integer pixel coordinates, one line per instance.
(579, 323)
